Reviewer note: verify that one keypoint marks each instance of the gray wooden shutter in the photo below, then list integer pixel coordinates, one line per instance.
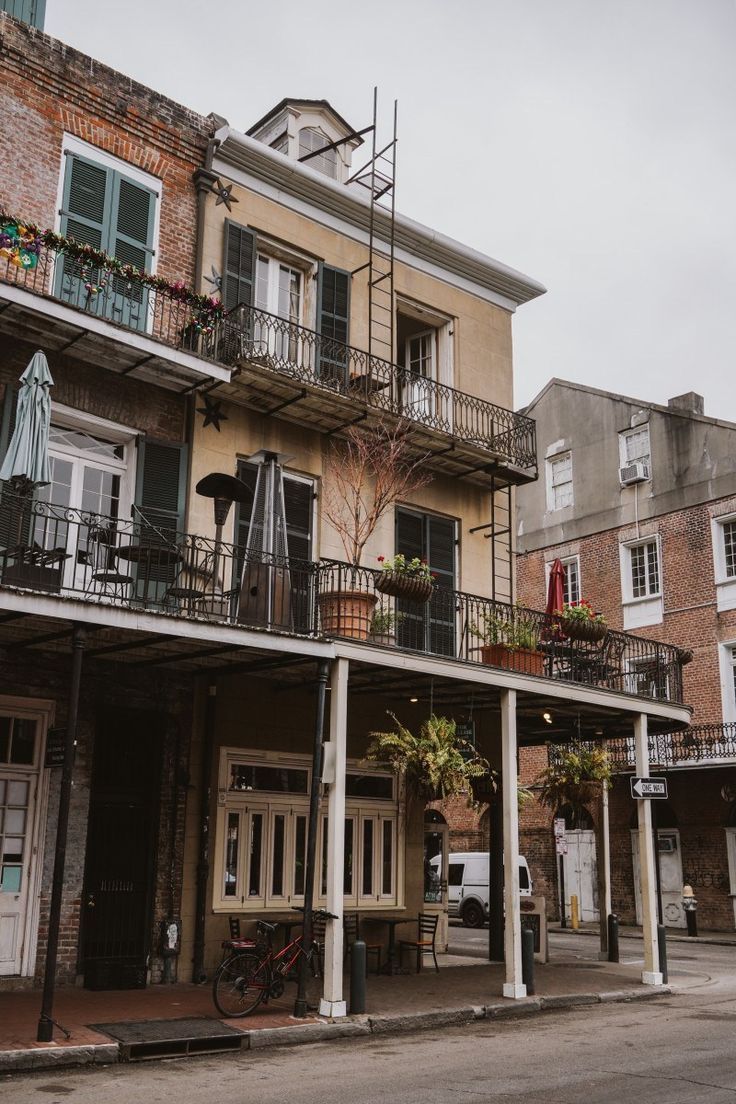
(131, 229)
(161, 487)
(87, 201)
(238, 266)
(440, 553)
(333, 320)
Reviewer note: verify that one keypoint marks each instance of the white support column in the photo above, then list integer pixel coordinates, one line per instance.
(513, 986)
(651, 974)
(332, 1003)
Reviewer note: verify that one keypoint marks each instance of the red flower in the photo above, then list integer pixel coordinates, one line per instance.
(381, 559)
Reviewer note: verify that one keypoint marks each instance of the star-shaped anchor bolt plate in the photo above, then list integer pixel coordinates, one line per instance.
(212, 411)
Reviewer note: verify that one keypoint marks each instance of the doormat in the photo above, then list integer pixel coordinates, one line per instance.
(141, 1039)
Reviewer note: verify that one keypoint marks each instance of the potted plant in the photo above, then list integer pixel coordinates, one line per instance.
(436, 763)
(509, 639)
(384, 623)
(407, 579)
(364, 476)
(579, 621)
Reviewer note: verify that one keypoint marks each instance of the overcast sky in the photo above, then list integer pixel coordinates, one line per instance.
(589, 143)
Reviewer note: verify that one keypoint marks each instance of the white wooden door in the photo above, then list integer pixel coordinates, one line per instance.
(581, 872)
(16, 820)
(670, 874)
(731, 849)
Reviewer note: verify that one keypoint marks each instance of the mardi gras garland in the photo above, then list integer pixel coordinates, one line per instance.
(21, 243)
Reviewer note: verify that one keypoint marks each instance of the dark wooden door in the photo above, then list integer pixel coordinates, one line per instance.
(121, 849)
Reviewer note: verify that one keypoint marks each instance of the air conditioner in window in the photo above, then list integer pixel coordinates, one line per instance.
(634, 473)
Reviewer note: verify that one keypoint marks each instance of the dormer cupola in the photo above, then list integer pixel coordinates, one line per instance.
(300, 128)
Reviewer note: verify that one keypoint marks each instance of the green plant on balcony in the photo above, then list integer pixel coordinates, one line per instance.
(509, 639)
(384, 624)
(579, 621)
(436, 763)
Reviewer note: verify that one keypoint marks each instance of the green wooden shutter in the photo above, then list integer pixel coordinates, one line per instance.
(160, 495)
(440, 552)
(410, 534)
(27, 11)
(239, 265)
(333, 320)
(131, 230)
(86, 202)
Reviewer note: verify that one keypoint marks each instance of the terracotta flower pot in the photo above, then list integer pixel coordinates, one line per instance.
(527, 660)
(346, 613)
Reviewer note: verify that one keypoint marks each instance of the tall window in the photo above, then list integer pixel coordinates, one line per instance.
(729, 548)
(634, 445)
(559, 482)
(104, 207)
(571, 585)
(644, 570)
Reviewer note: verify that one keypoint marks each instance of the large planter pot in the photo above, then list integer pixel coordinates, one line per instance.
(591, 631)
(400, 585)
(385, 639)
(346, 613)
(527, 660)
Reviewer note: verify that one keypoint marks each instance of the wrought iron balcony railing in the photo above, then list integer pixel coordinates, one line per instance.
(694, 746)
(174, 316)
(143, 563)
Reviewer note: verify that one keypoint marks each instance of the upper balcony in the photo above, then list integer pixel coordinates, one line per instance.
(144, 327)
(115, 565)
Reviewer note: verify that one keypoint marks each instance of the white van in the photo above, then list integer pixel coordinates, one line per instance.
(467, 885)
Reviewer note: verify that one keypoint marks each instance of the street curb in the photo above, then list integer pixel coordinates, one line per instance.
(102, 1054)
(638, 935)
(401, 1023)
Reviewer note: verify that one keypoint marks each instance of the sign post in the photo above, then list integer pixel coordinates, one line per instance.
(561, 850)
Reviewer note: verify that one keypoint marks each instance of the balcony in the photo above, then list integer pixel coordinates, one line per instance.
(142, 565)
(697, 746)
(141, 326)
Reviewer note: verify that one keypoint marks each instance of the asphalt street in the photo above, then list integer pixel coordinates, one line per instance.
(678, 1049)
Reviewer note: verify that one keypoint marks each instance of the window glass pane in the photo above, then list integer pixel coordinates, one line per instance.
(636, 445)
(18, 793)
(231, 856)
(523, 878)
(387, 865)
(455, 874)
(300, 854)
(347, 880)
(10, 879)
(369, 785)
(277, 873)
(729, 548)
(12, 850)
(271, 779)
(15, 820)
(571, 582)
(367, 889)
(638, 576)
(24, 741)
(256, 849)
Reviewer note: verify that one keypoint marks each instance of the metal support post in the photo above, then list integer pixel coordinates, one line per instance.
(651, 974)
(358, 954)
(495, 881)
(612, 937)
(332, 1003)
(527, 960)
(46, 1022)
(300, 1004)
(199, 975)
(513, 986)
(662, 942)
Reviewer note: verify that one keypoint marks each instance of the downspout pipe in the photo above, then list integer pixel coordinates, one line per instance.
(46, 1022)
(199, 974)
(323, 668)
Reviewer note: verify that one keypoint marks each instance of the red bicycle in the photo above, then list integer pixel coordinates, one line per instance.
(251, 973)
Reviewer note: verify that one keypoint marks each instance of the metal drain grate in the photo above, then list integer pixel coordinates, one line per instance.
(144, 1039)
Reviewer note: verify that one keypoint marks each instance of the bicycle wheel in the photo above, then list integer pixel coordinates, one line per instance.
(240, 984)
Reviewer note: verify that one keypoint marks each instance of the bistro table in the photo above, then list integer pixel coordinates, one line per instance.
(392, 965)
(151, 555)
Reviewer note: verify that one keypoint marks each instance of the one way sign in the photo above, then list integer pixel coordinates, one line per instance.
(646, 788)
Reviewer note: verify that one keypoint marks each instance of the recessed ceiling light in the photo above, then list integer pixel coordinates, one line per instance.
(547, 717)
(413, 699)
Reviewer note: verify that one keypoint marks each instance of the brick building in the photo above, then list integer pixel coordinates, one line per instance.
(638, 501)
(190, 651)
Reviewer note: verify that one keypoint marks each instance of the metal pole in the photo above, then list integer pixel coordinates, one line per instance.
(612, 937)
(203, 866)
(657, 871)
(46, 1022)
(300, 1004)
(527, 960)
(495, 881)
(563, 916)
(662, 942)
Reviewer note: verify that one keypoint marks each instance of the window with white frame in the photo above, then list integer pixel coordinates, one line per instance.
(262, 834)
(571, 579)
(310, 140)
(634, 446)
(724, 548)
(643, 575)
(559, 481)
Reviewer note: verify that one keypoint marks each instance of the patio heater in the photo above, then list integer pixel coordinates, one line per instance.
(265, 596)
(223, 490)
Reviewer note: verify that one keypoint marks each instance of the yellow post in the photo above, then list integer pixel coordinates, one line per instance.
(574, 912)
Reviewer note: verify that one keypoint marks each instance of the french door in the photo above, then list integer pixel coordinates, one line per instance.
(432, 627)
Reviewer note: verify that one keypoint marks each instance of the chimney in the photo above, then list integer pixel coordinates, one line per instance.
(690, 401)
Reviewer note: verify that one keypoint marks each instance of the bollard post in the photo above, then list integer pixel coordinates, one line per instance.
(357, 977)
(574, 912)
(613, 937)
(527, 960)
(690, 906)
(662, 941)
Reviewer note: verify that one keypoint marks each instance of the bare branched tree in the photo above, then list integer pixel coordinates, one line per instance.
(366, 474)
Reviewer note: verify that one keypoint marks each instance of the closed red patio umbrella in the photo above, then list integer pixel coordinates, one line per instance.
(555, 588)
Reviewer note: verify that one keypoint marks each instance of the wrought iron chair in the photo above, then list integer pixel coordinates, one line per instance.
(424, 944)
(351, 928)
(194, 582)
(106, 579)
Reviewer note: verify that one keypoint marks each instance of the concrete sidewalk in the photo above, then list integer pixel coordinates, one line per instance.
(674, 935)
(464, 990)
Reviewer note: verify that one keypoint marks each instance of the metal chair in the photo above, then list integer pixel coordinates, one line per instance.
(424, 944)
(351, 928)
(106, 579)
(194, 582)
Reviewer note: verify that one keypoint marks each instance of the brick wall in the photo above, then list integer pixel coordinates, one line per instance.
(47, 89)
